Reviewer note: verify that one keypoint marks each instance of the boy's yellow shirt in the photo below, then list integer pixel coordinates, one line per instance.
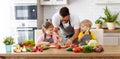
(92, 34)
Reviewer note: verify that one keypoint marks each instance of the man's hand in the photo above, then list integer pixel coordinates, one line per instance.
(69, 41)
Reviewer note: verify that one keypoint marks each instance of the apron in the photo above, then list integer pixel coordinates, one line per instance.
(86, 39)
(66, 32)
(50, 40)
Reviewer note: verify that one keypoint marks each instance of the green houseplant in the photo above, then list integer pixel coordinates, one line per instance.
(98, 23)
(8, 41)
(110, 19)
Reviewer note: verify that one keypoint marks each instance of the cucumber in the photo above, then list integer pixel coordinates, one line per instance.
(69, 49)
(46, 48)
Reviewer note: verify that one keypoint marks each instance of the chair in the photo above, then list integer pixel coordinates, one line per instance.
(99, 35)
(37, 35)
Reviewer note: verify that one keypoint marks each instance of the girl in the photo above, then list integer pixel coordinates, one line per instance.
(48, 36)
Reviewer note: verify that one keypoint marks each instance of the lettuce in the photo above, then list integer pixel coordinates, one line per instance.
(93, 43)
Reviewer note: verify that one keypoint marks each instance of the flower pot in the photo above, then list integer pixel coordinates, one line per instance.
(8, 48)
(111, 25)
(98, 26)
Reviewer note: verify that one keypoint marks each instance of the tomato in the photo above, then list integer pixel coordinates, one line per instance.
(30, 45)
(58, 46)
(36, 47)
(79, 49)
(74, 45)
(75, 50)
(34, 50)
(26, 44)
(67, 45)
(40, 49)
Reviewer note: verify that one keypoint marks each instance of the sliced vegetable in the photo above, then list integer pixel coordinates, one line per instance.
(69, 49)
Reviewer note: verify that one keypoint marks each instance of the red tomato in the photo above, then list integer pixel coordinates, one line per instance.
(41, 49)
(79, 49)
(58, 46)
(67, 45)
(34, 50)
(26, 44)
(36, 47)
(75, 50)
(30, 45)
(74, 45)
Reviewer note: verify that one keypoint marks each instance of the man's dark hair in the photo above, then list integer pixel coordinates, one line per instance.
(64, 11)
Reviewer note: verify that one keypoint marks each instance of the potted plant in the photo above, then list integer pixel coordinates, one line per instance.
(98, 23)
(8, 41)
(110, 19)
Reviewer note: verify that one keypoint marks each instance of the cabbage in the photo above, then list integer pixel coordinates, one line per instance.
(93, 43)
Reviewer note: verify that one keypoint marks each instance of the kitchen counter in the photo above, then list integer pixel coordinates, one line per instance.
(117, 30)
(110, 52)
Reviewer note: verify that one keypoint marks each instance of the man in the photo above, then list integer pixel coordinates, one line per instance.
(68, 25)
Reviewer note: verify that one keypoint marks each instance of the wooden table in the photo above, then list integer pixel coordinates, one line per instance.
(110, 52)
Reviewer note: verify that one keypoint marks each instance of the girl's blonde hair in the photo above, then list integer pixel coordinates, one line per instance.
(86, 22)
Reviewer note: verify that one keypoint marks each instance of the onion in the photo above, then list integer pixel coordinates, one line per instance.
(98, 48)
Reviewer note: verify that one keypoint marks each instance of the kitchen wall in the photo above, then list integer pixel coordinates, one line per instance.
(85, 9)
(6, 28)
(7, 20)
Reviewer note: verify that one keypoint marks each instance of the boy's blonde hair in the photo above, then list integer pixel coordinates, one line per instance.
(86, 22)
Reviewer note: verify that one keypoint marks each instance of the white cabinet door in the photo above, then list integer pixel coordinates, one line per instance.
(60, 2)
(111, 40)
(46, 2)
(53, 2)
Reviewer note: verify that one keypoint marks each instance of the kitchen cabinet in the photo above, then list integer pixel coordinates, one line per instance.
(111, 39)
(53, 2)
(25, 1)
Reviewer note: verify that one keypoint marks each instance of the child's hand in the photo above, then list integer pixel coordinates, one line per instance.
(45, 43)
(79, 40)
(87, 31)
(61, 39)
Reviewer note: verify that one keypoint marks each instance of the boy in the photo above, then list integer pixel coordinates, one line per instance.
(85, 35)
